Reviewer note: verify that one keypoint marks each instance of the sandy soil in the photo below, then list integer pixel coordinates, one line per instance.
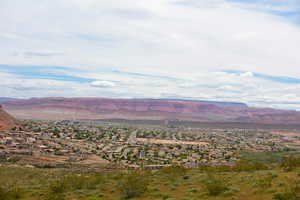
(93, 159)
(286, 133)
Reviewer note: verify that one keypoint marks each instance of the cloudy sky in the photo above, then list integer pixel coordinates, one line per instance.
(225, 50)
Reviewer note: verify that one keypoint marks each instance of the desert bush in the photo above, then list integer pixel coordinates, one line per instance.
(215, 186)
(77, 182)
(239, 166)
(289, 163)
(56, 190)
(248, 166)
(290, 193)
(58, 186)
(231, 190)
(193, 190)
(266, 157)
(283, 196)
(95, 197)
(207, 168)
(54, 196)
(11, 192)
(2, 193)
(154, 188)
(74, 182)
(95, 180)
(173, 172)
(265, 181)
(161, 195)
(281, 184)
(133, 184)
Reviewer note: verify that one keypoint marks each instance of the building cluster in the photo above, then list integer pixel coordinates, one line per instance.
(134, 147)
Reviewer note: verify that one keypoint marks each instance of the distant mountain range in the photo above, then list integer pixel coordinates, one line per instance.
(146, 109)
(217, 103)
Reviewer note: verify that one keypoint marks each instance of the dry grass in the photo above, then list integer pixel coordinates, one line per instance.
(170, 183)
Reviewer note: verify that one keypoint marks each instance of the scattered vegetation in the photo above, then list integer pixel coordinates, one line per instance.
(290, 162)
(290, 193)
(133, 184)
(11, 192)
(246, 179)
(174, 172)
(56, 191)
(215, 185)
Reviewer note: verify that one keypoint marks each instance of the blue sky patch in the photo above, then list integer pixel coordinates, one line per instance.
(145, 75)
(279, 79)
(49, 73)
(289, 9)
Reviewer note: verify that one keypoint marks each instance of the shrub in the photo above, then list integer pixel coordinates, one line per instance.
(290, 163)
(284, 196)
(265, 181)
(239, 166)
(74, 182)
(94, 180)
(291, 193)
(215, 186)
(2, 194)
(95, 197)
(154, 189)
(11, 192)
(56, 190)
(54, 196)
(244, 165)
(193, 190)
(281, 184)
(58, 187)
(133, 184)
(173, 172)
(161, 195)
(231, 190)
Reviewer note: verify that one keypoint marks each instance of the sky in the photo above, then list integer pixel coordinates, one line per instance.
(221, 50)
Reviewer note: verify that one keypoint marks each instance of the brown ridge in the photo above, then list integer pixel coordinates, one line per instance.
(7, 121)
(133, 109)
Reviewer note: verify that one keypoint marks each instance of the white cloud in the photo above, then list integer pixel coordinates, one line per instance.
(271, 5)
(219, 86)
(247, 74)
(190, 42)
(102, 84)
(168, 36)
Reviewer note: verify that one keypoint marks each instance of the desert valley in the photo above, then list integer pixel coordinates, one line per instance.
(86, 139)
(150, 100)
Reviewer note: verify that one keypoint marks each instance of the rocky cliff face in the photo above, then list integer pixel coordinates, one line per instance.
(7, 121)
(104, 108)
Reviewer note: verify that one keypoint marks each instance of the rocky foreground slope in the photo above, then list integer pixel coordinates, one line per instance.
(146, 109)
(7, 121)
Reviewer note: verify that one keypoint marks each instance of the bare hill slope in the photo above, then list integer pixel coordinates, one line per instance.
(7, 121)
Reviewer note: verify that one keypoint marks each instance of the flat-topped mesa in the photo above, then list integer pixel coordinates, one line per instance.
(60, 108)
(7, 121)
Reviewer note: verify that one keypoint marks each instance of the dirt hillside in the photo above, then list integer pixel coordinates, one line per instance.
(7, 121)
